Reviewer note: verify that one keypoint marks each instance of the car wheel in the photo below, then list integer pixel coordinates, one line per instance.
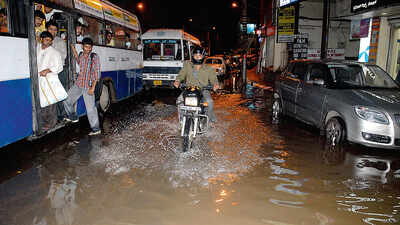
(334, 132)
(276, 110)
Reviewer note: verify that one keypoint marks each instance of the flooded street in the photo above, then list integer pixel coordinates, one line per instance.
(243, 171)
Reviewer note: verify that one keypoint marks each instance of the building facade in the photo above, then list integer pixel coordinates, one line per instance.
(362, 30)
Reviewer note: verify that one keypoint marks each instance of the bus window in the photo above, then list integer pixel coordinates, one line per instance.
(109, 35)
(119, 36)
(132, 40)
(4, 28)
(93, 29)
(19, 24)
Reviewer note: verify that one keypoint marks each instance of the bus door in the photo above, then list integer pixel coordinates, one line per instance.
(59, 23)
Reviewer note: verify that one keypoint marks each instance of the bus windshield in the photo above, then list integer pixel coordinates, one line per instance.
(162, 49)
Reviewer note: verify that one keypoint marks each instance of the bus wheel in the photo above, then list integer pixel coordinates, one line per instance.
(105, 98)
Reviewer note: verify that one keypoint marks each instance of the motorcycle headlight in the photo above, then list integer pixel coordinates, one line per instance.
(191, 101)
(371, 115)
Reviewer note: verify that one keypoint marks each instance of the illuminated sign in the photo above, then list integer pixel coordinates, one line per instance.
(286, 24)
(361, 5)
(251, 28)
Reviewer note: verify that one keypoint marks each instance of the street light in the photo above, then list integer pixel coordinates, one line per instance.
(140, 6)
(235, 5)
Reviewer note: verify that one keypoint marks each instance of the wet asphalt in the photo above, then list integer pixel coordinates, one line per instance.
(245, 170)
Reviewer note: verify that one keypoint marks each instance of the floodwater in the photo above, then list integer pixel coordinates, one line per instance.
(243, 171)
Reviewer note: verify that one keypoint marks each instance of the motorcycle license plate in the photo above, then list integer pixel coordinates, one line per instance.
(190, 108)
(157, 82)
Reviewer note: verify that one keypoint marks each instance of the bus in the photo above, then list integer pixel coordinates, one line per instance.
(164, 51)
(121, 58)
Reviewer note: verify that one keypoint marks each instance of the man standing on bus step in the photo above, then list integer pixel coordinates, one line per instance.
(60, 46)
(85, 84)
(49, 64)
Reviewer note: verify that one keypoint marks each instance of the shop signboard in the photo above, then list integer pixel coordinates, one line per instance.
(364, 28)
(286, 24)
(93, 7)
(365, 5)
(300, 46)
(355, 29)
(373, 47)
(363, 54)
(332, 53)
(359, 29)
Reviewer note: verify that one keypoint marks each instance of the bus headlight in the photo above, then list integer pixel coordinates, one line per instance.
(191, 101)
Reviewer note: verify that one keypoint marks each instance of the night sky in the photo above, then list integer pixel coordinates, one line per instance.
(205, 14)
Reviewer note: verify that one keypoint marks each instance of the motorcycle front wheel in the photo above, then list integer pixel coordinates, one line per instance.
(187, 134)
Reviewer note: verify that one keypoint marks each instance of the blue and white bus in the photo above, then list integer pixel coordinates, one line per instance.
(121, 58)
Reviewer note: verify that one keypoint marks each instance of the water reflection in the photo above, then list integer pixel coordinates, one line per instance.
(61, 174)
(366, 192)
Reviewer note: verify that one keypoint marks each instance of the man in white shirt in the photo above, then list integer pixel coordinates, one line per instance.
(49, 64)
(60, 45)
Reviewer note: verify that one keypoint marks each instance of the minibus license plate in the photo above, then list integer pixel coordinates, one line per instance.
(157, 82)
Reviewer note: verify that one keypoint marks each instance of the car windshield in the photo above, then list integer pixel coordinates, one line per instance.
(377, 77)
(350, 76)
(162, 49)
(213, 61)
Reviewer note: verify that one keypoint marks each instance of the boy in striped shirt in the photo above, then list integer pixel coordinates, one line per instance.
(85, 84)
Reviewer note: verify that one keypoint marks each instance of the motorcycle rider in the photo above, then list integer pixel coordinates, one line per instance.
(196, 73)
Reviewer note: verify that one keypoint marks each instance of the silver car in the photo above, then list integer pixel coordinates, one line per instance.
(346, 100)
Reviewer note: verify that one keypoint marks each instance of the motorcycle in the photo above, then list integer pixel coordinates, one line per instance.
(192, 115)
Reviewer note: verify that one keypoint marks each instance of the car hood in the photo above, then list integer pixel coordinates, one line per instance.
(385, 98)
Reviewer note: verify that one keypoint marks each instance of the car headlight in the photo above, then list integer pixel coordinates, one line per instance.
(371, 115)
(191, 101)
